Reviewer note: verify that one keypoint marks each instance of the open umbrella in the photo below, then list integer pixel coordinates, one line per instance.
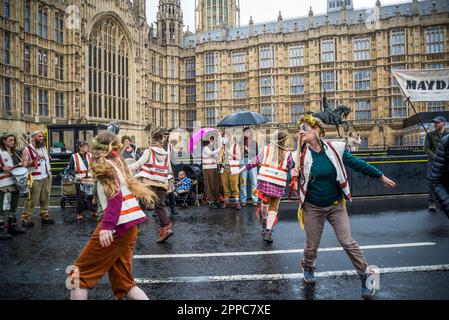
(195, 139)
(243, 118)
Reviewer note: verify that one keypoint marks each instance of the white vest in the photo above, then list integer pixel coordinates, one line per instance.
(155, 170)
(208, 161)
(43, 170)
(232, 160)
(334, 151)
(6, 178)
(130, 210)
(80, 167)
(273, 174)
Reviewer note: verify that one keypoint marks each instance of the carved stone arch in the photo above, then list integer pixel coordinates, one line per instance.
(111, 16)
(109, 71)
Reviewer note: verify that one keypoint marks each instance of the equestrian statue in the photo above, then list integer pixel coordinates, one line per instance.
(335, 117)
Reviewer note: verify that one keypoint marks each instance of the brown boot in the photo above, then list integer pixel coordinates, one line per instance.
(26, 220)
(45, 219)
(165, 233)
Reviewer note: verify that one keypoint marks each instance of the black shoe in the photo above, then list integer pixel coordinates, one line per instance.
(27, 223)
(13, 227)
(174, 212)
(4, 235)
(268, 236)
(47, 221)
(214, 206)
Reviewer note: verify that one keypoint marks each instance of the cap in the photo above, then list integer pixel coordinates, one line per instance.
(439, 119)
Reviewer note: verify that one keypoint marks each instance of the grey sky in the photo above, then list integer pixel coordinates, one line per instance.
(264, 10)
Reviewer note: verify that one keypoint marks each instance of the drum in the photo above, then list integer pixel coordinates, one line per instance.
(129, 162)
(87, 186)
(21, 177)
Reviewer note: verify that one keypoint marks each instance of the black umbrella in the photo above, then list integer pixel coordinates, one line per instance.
(243, 118)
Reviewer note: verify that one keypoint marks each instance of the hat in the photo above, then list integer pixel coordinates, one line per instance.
(439, 119)
(36, 133)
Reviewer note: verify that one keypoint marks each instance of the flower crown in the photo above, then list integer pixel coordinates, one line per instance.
(313, 121)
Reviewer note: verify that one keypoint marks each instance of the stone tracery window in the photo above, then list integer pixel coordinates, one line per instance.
(108, 59)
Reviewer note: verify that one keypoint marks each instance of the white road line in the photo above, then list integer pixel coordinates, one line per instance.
(257, 253)
(286, 276)
(52, 207)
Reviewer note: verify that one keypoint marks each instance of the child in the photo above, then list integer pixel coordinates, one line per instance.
(184, 185)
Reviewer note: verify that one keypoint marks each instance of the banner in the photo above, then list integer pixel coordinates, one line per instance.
(424, 85)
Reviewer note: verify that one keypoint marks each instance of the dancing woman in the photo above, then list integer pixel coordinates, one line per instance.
(323, 189)
(275, 161)
(111, 246)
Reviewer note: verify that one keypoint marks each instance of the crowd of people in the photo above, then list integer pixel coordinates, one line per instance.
(129, 182)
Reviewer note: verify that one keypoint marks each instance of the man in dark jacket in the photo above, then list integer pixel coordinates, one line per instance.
(440, 174)
(431, 143)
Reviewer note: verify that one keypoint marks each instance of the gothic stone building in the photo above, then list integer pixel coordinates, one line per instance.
(91, 61)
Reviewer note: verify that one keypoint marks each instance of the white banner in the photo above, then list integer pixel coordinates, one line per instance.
(424, 85)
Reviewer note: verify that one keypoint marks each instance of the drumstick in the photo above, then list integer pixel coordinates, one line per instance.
(298, 160)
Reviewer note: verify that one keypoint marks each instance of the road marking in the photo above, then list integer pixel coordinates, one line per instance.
(257, 253)
(286, 276)
(52, 207)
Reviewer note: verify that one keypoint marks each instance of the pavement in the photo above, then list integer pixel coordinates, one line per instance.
(220, 254)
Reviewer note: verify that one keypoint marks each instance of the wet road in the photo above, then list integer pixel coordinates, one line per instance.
(219, 254)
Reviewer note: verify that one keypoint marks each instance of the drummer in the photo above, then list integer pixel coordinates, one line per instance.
(130, 150)
(80, 168)
(9, 159)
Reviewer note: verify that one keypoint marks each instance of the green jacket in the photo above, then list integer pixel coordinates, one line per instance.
(431, 143)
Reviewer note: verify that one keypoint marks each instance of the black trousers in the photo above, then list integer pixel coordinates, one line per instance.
(83, 202)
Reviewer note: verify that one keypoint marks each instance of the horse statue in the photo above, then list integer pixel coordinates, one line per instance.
(336, 117)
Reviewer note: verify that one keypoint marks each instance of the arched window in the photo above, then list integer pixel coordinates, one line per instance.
(108, 59)
(172, 31)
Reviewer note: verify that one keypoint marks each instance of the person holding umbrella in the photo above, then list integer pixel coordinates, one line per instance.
(231, 156)
(250, 150)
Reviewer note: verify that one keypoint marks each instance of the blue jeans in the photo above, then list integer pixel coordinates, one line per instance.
(248, 175)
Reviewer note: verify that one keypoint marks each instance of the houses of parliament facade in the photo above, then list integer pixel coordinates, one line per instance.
(93, 61)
